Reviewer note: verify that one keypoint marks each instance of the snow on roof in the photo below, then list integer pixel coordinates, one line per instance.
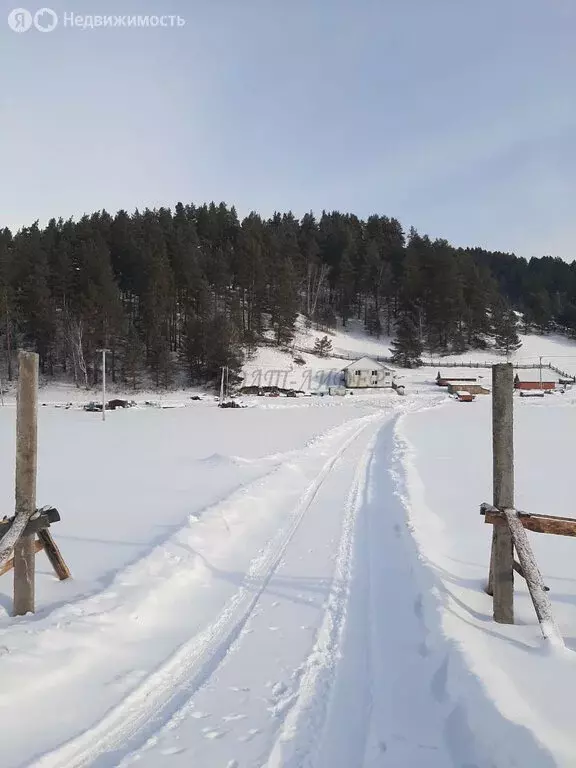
(463, 383)
(366, 363)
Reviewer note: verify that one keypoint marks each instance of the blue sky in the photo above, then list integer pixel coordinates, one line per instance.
(457, 117)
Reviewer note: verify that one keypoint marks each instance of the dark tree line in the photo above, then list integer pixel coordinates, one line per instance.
(187, 291)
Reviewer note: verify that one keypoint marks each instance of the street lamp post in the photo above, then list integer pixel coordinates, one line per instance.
(103, 382)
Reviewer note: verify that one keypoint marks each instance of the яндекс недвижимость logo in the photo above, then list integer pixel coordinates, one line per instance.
(46, 20)
(21, 20)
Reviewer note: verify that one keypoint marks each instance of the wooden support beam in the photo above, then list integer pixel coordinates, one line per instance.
(501, 579)
(26, 465)
(485, 507)
(53, 554)
(42, 518)
(520, 571)
(531, 572)
(38, 546)
(536, 523)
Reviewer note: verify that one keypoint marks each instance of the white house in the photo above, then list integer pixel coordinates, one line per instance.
(368, 373)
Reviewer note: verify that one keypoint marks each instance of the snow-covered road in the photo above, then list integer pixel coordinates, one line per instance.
(229, 683)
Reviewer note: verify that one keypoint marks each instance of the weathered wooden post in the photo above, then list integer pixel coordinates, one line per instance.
(501, 580)
(26, 465)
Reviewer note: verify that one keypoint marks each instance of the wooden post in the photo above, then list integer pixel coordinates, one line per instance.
(38, 547)
(26, 464)
(53, 554)
(501, 580)
(534, 580)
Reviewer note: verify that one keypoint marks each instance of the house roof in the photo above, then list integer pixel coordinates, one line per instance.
(533, 374)
(367, 363)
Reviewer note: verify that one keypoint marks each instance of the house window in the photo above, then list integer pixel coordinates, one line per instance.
(357, 373)
(374, 373)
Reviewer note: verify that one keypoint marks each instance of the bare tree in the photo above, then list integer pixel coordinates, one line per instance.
(75, 334)
(316, 278)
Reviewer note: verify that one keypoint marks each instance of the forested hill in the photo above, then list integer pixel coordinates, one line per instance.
(195, 288)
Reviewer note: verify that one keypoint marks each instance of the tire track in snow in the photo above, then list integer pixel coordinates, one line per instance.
(299, 735)
(382, 702)
(145, 710)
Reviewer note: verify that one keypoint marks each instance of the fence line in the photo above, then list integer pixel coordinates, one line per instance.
(488, 364)
(346, 354)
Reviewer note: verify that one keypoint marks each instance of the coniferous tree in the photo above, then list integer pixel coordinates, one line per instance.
(323, 347)
(7, 303)
(284, 303)
(406, 347)
(505, 328)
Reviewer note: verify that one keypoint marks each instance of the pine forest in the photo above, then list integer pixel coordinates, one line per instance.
(177, 294)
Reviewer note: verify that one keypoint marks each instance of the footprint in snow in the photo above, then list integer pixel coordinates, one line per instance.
(198, 715)
(438, 684)
(209, 734)
(172, 751)
(230, 718)
(279, 689)
(250, 735)
(418, 607)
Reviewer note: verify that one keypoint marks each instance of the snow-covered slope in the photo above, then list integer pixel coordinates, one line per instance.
(272, 366)
(552, 348)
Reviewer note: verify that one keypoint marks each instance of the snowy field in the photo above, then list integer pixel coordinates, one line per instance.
(447, 461)
(298, 583)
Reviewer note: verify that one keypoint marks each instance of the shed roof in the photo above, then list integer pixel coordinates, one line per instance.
(367, 363)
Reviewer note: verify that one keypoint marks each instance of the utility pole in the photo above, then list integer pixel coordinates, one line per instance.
(540, 372)
(104, 382)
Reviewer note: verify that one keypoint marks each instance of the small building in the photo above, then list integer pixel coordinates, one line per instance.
(367, 373)
(463, 386)
(464, 397)
(532, 393)
(533, 379)
(443, 381)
